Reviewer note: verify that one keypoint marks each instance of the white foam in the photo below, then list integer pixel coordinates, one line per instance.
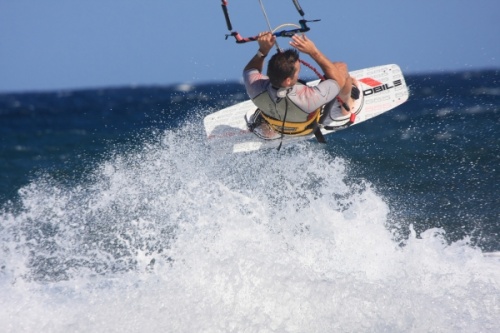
(260, 242)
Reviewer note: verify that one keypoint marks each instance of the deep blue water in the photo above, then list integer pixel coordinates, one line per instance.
(436, 156)
(98, 184)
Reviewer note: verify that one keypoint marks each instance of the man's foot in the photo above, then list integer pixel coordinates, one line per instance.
(348, 106)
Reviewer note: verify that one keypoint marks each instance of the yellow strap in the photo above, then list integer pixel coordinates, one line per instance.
(293, 128)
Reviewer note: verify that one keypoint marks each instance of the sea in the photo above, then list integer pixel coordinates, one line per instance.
(117, 215)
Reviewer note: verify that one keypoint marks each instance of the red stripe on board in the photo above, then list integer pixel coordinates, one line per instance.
(371, 82)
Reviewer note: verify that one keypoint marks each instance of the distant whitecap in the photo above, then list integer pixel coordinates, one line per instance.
(184, 87)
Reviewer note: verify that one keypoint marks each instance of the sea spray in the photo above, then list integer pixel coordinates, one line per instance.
(173, 236)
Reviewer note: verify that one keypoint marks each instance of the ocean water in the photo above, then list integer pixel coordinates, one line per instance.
(117, 216)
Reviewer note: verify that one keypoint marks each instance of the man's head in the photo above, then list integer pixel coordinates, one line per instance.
(283, 68)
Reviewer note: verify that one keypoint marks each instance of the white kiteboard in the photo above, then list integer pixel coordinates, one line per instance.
(382, 88)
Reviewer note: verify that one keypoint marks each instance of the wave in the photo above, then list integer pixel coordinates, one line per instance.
(175, 236)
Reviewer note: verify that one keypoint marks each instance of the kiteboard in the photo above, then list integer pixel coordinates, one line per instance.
(382, 89)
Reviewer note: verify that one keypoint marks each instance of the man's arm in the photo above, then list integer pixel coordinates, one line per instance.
(336, 71)
(257, 62)
(266, 42)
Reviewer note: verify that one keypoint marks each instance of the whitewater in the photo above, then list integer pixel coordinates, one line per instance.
(174, 236)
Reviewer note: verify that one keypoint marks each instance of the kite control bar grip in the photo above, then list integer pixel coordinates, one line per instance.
(282, 33)
(241, 40)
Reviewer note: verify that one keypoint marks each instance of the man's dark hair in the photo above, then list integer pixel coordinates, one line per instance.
(281, 66)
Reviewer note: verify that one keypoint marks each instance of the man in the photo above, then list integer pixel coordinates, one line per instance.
(287, 105)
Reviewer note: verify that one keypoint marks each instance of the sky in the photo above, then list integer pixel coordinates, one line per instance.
(67, 44)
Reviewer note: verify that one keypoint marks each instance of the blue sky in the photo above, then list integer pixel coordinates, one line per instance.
(63, 44)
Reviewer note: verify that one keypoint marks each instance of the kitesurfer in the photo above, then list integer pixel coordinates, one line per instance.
(289, 106)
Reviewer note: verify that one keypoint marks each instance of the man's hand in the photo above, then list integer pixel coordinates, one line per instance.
(336, 71)
(303, 44)
(266, 42)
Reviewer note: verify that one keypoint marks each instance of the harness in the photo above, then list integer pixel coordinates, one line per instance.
(293, 128)
(284, 116)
